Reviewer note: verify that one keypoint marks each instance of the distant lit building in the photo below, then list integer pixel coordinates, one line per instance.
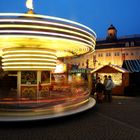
(122, 52)
(111, 50)
(115, 50)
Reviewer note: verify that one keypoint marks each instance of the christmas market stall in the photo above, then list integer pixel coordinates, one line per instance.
(120, 77)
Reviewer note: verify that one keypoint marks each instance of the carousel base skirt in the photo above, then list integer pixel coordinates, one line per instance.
(46, 113)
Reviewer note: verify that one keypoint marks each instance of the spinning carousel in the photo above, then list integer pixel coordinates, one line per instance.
(30, 46)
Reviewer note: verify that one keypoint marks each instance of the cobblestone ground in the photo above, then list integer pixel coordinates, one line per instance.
(119, 120)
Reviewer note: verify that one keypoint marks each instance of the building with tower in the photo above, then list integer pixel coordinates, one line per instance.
(123, 52)
(112, 33)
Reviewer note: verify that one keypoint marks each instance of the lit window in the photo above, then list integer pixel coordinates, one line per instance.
(100, 55)
(118, 53)
(132, 43)
(126, 53)
(137, 53)
(108, 54)
(127, 44)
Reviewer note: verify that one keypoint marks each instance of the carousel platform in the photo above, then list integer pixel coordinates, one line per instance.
(45, 112)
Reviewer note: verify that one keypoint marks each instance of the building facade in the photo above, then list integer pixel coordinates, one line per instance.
(110, 50)
(122, 52)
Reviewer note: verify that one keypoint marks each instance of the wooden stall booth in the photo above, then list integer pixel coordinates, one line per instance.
(120, 77)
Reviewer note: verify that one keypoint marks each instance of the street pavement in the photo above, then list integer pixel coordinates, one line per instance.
(119, 120)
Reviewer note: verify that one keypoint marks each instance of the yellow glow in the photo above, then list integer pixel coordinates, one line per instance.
(28, 63)
(62, 53)
(60, 68)
(18, 55)
(27, 67)
(77, 104)
(23, 44)
(50, 28)
(50, 23)
(31, 51)
(49, 17)
(45, 33)
(29, 4)
(29, 59)
(45, 42)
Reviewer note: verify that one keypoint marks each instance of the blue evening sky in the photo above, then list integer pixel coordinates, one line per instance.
(96, 14)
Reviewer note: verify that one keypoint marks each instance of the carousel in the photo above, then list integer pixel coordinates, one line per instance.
(30, 48)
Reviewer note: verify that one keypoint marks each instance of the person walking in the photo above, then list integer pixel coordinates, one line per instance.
(99, 91)
(108, 88)
(105, 82)
(93, 87)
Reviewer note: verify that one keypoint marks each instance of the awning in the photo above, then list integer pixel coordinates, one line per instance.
(132, 65)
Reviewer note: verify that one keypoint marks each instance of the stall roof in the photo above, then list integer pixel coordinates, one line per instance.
(132, 65)
(111, 66)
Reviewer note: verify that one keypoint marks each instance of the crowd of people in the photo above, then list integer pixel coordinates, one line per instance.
(103, 91)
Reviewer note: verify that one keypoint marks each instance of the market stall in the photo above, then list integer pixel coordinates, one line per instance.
(120, 77)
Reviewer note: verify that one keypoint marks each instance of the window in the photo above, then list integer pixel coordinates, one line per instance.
(111, 34)
(127, 44)
(126, 53)
(137, 53)
(108, 54)
(100, 55)
(132, 43)
(116, 53)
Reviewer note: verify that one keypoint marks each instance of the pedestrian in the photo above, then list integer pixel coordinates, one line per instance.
(99, 91)
(93, 87)
(105, 82)
(108, 88)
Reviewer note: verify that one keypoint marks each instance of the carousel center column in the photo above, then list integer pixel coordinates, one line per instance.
(29, 62)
